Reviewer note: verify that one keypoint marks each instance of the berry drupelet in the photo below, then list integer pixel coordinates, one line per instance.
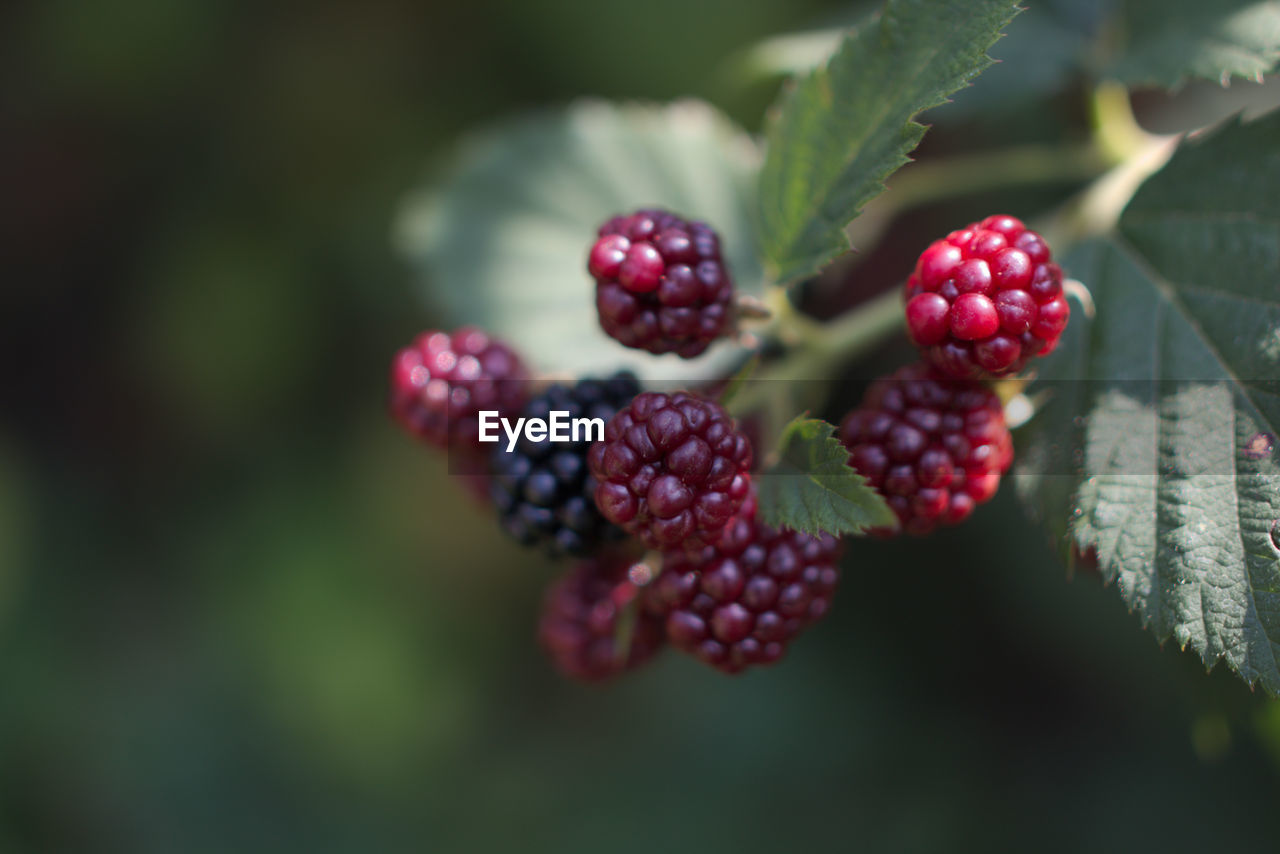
(542, 491)
(441, 381)
(934, 447)
(742, 601)
(986, 299)
(661, 284)
(583, 613)
(672, 470)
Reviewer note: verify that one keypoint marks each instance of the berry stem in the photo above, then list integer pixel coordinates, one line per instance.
(817, 349)
(1134, 155)
(939, 179)
(860, 330)
(1097, 208)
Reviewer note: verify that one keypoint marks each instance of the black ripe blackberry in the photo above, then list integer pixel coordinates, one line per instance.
(543, 491)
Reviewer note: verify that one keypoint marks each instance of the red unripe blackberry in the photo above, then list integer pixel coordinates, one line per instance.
(934, 447)
(986, 299)
(740, 602)
(661, 284)
(441, 381)
(671, 470)
(581, 617)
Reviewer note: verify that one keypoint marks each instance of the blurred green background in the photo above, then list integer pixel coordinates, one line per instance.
(240, 612)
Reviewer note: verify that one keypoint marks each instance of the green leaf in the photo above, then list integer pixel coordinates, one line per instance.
(1166, 41)
(1041, 54)
(848, 125)
(813, 489)
(501, 241)
(1157, 452)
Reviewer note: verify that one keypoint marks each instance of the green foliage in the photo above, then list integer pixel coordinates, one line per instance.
(848, 125)
(1167, 41)
(502, 241)
(812, 488)
(1053, 42)
(1158, 449)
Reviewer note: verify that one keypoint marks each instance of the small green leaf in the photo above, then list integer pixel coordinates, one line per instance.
(1166, 41)
(848, 125)
(502, 240)
(1157, 453)
(813, 489)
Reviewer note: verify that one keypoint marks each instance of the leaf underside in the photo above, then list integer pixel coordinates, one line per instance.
(813, 489)
(1156, 454)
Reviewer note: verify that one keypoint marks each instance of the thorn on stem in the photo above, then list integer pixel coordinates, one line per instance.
(1077, 289)
(749, 307)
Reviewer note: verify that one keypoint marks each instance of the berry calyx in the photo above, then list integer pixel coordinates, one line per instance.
(441, 381)
(542, 491)
(933, 446)
(742, 601)
(672, 469)
(592, 627)
(986, 299)
(661, 283)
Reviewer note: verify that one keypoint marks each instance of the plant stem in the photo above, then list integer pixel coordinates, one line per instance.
(1115, 128)
(937, 179)
(817, 349)
(947, 177)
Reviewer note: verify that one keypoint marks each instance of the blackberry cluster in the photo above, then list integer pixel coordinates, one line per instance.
(441, 381)
(986, 299)
(935, 447)
(742, 601)
(582, 626)
(542, 491)
(672, 470)
(661, 284)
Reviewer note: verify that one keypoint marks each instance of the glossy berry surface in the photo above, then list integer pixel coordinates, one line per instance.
(661, 284)
(441, 381)
(583, 627)
(742, 601)
(934, 447)
(542, 491)
(986, 299)
(672, 469)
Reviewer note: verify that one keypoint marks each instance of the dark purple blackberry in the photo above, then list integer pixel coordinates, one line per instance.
(661, 284)
(543, 491)
(934, 447)
(592, 626)
(742, 601)
(672, 470)
(442, 381)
